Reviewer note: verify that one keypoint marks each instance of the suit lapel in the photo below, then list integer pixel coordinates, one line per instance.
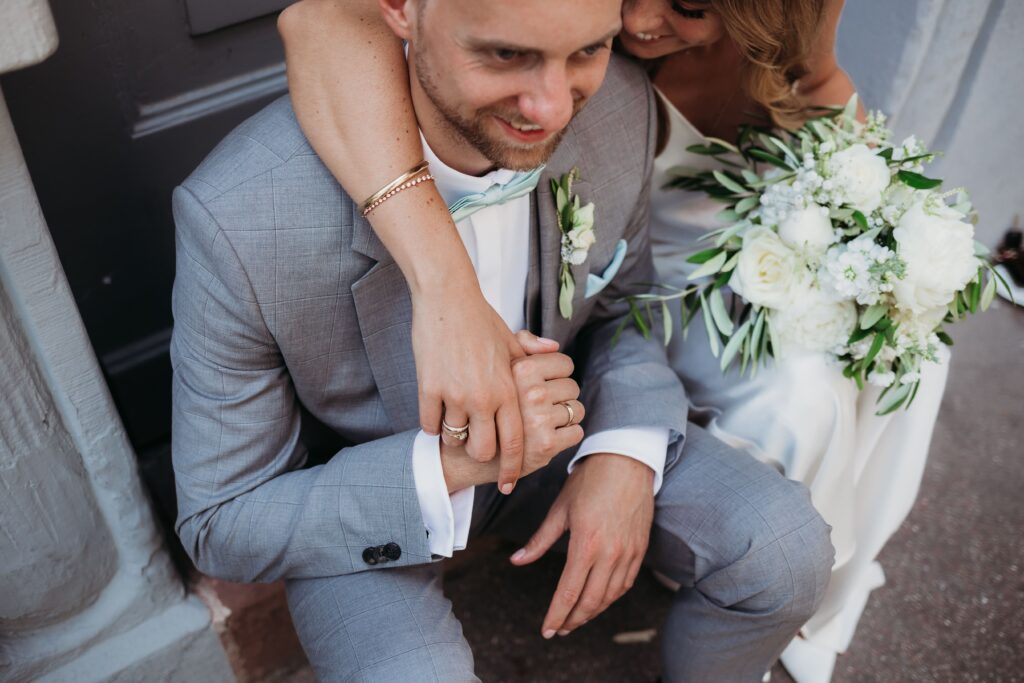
(384, 311)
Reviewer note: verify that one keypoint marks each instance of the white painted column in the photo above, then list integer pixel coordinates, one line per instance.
(87, 591)
(949, 72)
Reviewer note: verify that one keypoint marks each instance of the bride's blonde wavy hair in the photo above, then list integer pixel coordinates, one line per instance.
(777, 38)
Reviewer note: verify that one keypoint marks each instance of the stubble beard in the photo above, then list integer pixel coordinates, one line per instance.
(474, 131)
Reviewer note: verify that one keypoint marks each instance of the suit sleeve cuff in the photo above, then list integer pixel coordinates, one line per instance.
(649, 445)
(445, 516)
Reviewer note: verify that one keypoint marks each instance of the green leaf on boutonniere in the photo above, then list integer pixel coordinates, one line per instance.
(568, 290)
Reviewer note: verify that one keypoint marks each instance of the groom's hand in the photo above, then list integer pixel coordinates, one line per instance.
(607, 505)
(543, 384)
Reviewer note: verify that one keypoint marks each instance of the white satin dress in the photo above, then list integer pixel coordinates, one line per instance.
(804, 417)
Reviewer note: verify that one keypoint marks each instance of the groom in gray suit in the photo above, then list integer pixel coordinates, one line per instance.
(285, 299)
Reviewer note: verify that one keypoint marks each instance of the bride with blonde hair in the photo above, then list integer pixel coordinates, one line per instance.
(716, 64)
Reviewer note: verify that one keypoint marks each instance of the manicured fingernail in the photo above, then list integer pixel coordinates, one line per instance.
(549, 634)
(563, 632)
(519, 554)
(545, 340)
(507, 488)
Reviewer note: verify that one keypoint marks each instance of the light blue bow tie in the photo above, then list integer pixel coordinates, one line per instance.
(521, 184)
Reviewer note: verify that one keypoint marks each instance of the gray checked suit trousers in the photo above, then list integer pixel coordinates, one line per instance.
(751, 554)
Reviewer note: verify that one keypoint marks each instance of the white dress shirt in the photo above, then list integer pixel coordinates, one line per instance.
(498, 242)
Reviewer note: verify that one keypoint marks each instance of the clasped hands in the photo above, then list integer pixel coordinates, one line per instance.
(607, 503)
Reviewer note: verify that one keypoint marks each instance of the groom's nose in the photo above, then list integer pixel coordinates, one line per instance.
(549, 101)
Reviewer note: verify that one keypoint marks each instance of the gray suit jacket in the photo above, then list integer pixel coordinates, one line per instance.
(284, 296)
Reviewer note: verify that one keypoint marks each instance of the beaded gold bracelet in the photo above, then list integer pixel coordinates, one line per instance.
(394, 187)
(391, 193)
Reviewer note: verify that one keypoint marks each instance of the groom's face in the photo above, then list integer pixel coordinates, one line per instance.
(507, 77)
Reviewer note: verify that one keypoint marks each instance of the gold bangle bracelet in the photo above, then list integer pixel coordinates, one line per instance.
(367, 210)
(390, 187)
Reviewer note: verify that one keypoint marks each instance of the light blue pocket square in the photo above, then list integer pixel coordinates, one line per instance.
(595, 283)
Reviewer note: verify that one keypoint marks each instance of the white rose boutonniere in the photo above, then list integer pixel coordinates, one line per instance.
(577, 225)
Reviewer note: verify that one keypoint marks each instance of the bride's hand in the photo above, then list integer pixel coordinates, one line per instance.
(464, 353)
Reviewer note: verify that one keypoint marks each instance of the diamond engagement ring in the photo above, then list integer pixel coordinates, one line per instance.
(572, 415)
(458, 433)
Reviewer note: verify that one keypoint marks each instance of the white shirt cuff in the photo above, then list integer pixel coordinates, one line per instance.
(649, 445)
(446, 517)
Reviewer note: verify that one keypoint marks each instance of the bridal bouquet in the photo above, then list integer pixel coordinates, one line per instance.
(834, 241)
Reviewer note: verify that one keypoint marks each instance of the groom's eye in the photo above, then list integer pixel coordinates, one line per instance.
(506, 55)
(593, 49)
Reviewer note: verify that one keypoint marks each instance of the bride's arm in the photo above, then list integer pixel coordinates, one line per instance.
(349, 85)
(826, 84)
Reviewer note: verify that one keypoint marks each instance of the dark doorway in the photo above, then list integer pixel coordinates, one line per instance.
(137, 94)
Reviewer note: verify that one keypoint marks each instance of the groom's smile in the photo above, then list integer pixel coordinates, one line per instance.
(495, 84)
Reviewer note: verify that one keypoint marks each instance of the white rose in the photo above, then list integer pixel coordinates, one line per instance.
(809, 229)
(768, 271)
(937, 246)
(815, 323)
(582, 238)
(860, 176)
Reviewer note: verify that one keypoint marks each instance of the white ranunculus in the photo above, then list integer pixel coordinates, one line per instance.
(767, 272)
(577, 256)
(937, 246)
(860, 176)
(809, 229)
(815, 323)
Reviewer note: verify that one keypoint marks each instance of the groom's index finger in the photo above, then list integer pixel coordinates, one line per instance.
(569, 589)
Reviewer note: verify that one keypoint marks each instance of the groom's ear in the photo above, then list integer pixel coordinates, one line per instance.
(400, 16)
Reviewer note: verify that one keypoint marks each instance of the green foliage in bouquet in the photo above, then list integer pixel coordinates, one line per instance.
(834, 241)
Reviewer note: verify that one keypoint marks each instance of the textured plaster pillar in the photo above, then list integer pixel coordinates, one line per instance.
(87, 591)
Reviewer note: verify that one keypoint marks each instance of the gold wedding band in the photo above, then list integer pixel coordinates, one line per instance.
(458, 433)
(572, 415)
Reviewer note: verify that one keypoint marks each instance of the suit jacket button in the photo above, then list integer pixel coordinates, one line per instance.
(392, 551)
(371, 555)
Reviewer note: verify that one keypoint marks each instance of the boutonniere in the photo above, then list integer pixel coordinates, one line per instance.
(577, 226)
